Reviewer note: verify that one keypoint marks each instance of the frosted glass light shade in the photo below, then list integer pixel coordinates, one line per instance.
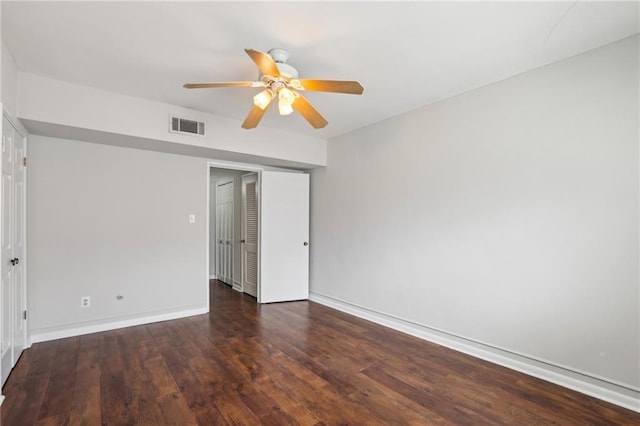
(285, 99)
(263, 99)
(284, 108)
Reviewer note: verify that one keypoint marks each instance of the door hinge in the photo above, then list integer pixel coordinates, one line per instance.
(24, 315)
(24, 161)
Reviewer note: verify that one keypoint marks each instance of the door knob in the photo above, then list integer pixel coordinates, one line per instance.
(305, 243)
(220, 241)
(243, 241)
(14, 261)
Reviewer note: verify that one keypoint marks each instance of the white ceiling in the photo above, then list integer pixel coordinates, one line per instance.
(406, 55)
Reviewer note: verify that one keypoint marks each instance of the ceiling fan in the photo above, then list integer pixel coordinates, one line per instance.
(280, 80)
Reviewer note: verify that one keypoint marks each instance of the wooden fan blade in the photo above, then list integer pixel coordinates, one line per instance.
(302, 105)
(254, 117)
(336, 86)
(213, 85)
(265, 62)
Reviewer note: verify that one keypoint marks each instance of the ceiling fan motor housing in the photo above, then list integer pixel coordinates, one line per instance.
(280, 57)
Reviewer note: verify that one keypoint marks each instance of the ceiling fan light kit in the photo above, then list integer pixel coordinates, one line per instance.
(281, 79)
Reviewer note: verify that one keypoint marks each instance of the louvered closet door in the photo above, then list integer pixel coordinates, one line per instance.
(250, 234)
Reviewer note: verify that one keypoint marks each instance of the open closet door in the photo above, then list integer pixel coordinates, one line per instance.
(284, 243)
(13, 302)
(250, 230)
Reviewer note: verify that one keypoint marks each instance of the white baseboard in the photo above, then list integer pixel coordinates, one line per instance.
(606, 391)
(1, 400)
(237, 286)
(43, 336)
(212, 277)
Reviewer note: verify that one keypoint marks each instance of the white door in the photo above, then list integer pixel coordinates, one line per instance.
(284, 243)
(224, 232)
(12, 247)
(7, 249)
(19, 228)
(249, 232)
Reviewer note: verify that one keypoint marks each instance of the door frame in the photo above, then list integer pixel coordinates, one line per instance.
(249, 168)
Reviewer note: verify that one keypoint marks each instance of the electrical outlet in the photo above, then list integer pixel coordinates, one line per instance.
(85, 302)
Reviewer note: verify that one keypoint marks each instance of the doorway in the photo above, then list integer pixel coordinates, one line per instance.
(225, 192)
(269, 245)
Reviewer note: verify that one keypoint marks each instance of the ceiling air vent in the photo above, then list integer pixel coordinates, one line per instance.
(184, 126)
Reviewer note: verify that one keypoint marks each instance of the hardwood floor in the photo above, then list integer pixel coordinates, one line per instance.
(286, 363)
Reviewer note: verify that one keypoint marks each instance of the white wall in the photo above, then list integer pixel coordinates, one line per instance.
(1, 72)
(105, 221)
(55, 108)
(9, 85)
(507, 215)
(1, 100)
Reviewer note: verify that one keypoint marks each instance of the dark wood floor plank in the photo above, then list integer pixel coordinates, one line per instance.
(285, 363)
(233, 409)
(86, 404)
(44, 359)
(57, 403)
(21, 369)
(388, 403)
(287, 402)
(23, 404)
